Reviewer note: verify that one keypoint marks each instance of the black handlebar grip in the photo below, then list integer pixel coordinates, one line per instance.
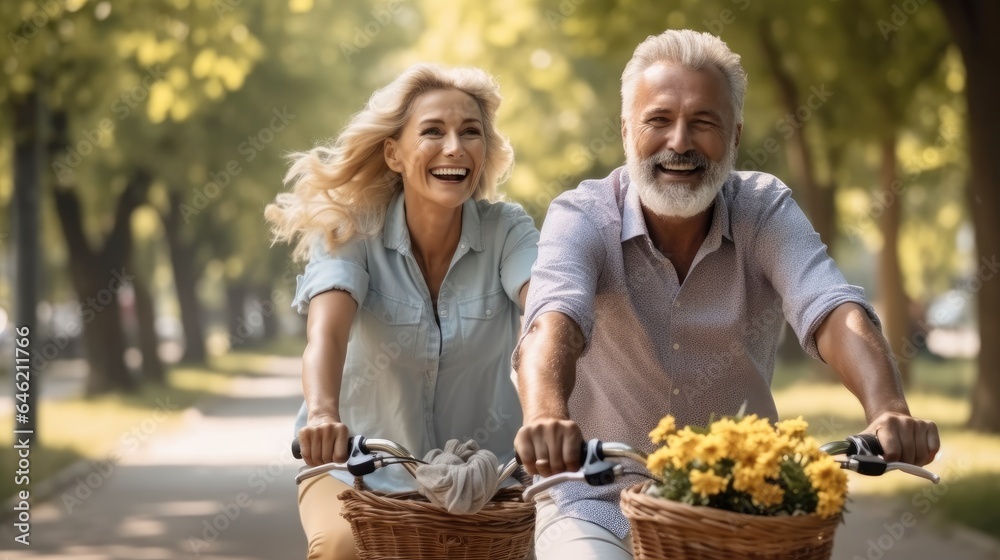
(864, 444)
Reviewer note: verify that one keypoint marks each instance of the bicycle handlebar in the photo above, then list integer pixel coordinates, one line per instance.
(364, 458)
(863, 457)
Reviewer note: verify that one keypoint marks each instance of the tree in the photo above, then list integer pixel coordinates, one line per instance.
(973, 25)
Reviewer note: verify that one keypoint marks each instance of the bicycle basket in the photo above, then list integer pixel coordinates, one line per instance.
(407, 526)
(667, 529)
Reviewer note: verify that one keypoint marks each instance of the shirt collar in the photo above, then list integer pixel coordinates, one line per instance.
(634, 224)
(396, 236)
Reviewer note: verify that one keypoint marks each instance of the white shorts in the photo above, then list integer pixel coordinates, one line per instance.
(558, 537)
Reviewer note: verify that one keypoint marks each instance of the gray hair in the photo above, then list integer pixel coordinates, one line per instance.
(691, 49)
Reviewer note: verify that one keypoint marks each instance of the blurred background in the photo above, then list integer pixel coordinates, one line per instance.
(141, 139)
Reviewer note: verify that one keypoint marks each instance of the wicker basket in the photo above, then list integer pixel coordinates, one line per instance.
(407, 526)
(663, 529)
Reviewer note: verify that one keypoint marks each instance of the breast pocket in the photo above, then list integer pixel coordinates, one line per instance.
(484, 320)
(396, 324)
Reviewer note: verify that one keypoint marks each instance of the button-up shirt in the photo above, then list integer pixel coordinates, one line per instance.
(411, 378)
(655, 346)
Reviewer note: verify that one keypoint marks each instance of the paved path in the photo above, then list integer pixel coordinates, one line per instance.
(229, 466)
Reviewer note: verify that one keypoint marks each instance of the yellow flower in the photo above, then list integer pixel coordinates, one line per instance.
(794, 427)
(740, 458)
(825, 475)
(684, 445)
(746, 477)
(711, 449)
(707, 483)
(659, 460)
(830, 504)
(767, 494)
(665, 428)
(769, 462)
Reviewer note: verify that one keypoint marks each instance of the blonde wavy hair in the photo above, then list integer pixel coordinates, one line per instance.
(342, 191)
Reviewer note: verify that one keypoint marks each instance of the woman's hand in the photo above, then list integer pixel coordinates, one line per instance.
(323, 440)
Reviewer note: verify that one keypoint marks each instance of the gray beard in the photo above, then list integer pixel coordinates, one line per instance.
(677, 200)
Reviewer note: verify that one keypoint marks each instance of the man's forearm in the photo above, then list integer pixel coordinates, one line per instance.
(546, 366)
(851, 344)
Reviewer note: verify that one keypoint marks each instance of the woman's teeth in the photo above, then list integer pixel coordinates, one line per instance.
(450, 173)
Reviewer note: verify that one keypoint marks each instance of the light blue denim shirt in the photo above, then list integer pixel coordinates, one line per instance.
(408, 379)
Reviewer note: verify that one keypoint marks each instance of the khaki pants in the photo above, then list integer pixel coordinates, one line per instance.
(558, 537)
(328, 534)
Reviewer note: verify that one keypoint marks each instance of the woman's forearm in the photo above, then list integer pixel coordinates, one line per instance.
(328, 330)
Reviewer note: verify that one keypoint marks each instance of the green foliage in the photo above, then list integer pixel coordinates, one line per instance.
(192, 88)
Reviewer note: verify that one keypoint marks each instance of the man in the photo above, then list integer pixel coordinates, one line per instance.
(663, 288)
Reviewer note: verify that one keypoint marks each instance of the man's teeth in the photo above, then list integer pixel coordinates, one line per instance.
(450, 171)
(680, 167)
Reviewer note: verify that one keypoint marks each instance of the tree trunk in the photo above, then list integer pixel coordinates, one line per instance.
(817, 199)
(236, 323)
(895, 317)
(974, 26)
(149, 342)
(186, 282)
(97, 275)
(269, 310)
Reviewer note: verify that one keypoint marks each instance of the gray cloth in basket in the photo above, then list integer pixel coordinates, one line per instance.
(461, 478)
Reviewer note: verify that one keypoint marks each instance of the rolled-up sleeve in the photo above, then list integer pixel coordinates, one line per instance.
(571, 253)
(344, 269)
(520, 250)
(795, 261)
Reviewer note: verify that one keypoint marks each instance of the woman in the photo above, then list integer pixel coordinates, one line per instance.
(415, 284)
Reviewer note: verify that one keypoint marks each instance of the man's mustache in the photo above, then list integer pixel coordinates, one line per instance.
(671, 157)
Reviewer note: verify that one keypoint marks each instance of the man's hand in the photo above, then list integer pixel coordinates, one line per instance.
(549, 446)
(905, 438)
(548, 442)
(857, 351)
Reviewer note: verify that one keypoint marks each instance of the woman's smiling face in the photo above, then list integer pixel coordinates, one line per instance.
(441, 149)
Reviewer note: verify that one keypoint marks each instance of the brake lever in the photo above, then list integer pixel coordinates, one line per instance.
(876, 466)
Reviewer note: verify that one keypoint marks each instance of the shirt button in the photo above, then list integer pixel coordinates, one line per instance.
(677, 346)
(489, 312)
(462, 245)
(677, 391)
(444, 312)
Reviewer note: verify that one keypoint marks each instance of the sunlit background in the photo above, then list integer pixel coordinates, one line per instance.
(158, 130)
